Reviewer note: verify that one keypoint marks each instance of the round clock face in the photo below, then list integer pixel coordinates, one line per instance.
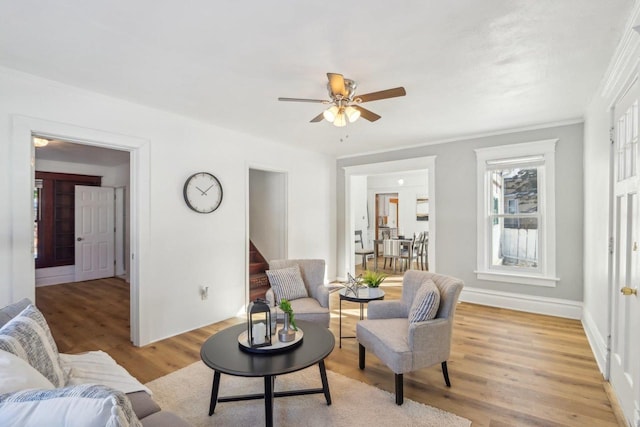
(202, 192)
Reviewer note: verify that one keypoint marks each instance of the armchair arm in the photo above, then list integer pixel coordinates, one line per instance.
(386, 309)
(321, 293)
(433, 336)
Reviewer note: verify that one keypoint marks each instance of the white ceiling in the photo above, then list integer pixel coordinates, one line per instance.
(469, 66)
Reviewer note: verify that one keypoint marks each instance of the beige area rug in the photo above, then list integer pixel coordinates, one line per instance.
(187, 392)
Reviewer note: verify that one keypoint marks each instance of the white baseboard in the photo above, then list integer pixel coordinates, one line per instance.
(597, 342)
(521, 302)
(55, 275)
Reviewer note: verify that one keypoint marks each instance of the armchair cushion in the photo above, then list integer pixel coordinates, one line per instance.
(426, 302)
(28, 336)
(388, 339)
(287, 283)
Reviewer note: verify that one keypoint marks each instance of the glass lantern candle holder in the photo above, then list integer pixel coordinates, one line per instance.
(258, 324)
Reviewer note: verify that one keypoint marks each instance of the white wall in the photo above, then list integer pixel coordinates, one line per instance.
(455, 187)
(362, 214)
(183, 250)
(361, 218)
(596, 228)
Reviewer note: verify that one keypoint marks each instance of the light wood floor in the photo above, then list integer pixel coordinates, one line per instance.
(507, 368)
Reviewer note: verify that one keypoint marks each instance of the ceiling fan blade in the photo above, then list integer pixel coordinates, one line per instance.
(317, 118)
(318, 101)
(383, 94)
(336, 81)
(366, 114)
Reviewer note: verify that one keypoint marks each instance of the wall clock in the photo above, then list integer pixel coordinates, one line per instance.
(202, 192)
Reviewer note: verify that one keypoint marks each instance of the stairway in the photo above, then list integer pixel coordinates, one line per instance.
(258, 281)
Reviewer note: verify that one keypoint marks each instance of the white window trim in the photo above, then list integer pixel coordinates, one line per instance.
(547, 239)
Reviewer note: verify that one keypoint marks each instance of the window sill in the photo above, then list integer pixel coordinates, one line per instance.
(522, 279)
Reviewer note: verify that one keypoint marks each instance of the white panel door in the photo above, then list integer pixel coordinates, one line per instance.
(120, 227)
(94, 232)
(625, 306)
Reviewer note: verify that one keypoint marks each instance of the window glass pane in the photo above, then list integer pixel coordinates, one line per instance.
(496, 191)
(514, 191)
(515, 242)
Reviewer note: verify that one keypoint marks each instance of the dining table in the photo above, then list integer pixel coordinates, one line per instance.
(403, 242)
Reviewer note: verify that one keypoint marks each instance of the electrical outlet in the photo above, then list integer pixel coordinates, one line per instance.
(204, 292)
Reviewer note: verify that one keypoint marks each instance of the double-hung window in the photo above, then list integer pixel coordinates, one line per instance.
(516, 213)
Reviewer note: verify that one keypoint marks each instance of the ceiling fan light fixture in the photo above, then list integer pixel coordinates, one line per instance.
(330, 113)
(340, 120)
(352, 113)
(345, 104)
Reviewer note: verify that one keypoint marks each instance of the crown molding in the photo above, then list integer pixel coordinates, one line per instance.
(619, 70)
(468, 137)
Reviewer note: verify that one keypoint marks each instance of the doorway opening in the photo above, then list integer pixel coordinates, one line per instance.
(21, 201)
(387, 218)
(363, 182)
(267, 225)
(81, 209)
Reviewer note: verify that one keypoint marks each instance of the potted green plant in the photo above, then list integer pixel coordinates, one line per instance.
(373, 278)
(285, 306)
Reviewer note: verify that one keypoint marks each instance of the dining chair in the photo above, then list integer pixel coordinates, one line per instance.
(362, 251)
(407, 253)
(391, 252)
(417, 241)
(423, 257)
(384, 235)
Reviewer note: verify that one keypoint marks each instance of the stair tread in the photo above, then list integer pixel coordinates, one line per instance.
(258, 267)
(258, 280)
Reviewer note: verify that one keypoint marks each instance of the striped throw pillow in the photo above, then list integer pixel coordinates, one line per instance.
(426, 302)
(287, 283)
(86, 405)
(28, 336)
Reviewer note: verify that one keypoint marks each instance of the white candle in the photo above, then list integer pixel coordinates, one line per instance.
(258, 331)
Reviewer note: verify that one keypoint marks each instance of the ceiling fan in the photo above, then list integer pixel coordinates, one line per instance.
(345, 104)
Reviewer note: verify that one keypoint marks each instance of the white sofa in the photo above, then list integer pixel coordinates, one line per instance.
(39, 386)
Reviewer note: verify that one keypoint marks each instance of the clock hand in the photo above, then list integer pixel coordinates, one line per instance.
(204, 193)
(207, 190)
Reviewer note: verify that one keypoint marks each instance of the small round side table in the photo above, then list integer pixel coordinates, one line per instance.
(364, 295)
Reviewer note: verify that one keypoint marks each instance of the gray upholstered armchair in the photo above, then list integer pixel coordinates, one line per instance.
(406, 346)
(315, 307)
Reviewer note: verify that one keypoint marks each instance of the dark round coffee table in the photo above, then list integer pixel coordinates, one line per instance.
(222, 353)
